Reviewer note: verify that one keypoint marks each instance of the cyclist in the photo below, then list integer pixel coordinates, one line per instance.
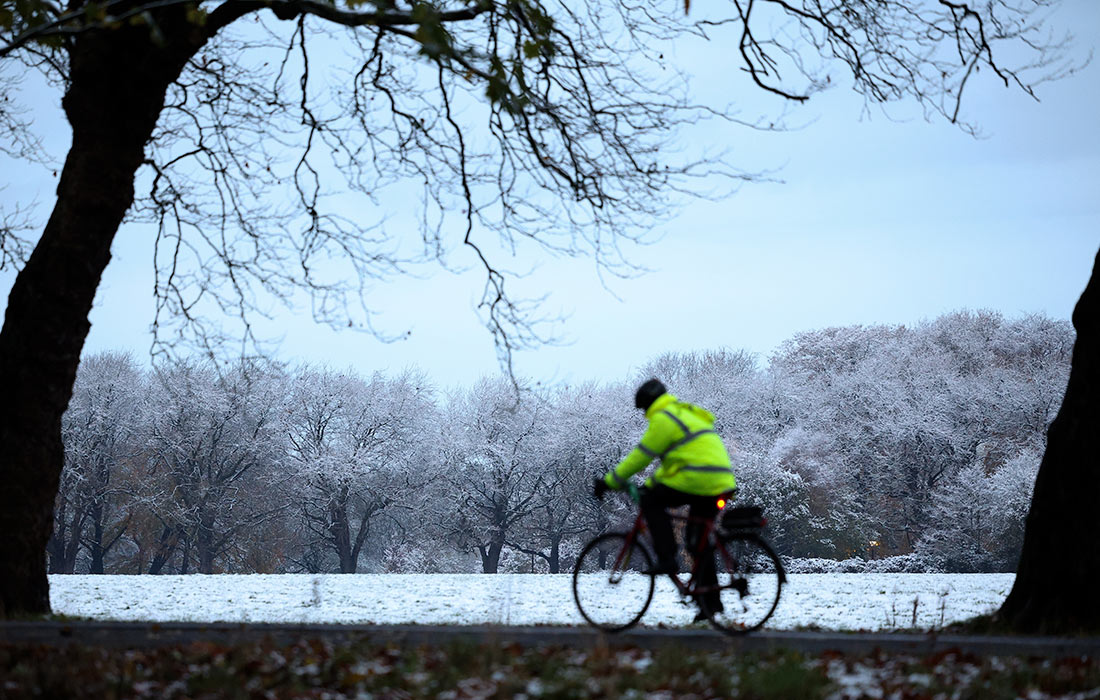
(694, 470)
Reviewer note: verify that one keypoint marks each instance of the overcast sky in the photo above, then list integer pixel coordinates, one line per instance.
(876, 222)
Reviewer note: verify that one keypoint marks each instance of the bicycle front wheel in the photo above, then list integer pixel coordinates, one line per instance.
(610, 585)
(750, 581)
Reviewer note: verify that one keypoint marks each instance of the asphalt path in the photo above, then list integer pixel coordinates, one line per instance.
(147, 634)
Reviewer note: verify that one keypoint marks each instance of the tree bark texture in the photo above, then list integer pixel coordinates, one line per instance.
(64, 543)
(340, 532)
(166, 547)
(205, 545)
(490, 555)
(554, 560)
(95, 547)
(1055, 588)
(118, 82)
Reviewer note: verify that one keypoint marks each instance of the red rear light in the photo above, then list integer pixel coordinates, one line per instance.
(721, 503)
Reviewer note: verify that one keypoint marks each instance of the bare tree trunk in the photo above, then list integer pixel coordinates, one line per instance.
(169, 538)
(103, 541)
(95, 547)
(364, 529)
(1055, 588)
(118, 82)
(204, 545)
(490, 556)
(185, 556)
(64, 542)
(44, 330)
(554, 559)
(55, 551)
(340, 531)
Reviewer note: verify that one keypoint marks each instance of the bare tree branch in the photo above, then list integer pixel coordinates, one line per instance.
(296, 150)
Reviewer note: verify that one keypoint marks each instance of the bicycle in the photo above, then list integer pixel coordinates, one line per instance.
(613, 590)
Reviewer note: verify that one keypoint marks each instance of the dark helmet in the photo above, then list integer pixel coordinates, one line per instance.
(648, 393)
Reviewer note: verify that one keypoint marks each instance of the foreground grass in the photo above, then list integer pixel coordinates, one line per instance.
(318, 669)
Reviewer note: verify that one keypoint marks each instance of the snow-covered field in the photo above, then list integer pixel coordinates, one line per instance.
(831, 601)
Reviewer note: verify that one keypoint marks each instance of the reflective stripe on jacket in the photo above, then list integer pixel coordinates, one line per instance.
(682, 436)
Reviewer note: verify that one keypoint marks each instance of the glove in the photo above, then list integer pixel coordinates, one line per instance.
(599, 488)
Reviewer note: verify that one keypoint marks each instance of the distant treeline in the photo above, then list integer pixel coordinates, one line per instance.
(914, 444)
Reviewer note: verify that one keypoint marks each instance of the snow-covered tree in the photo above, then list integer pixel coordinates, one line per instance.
(979, 516)
(922, 439)
(215, 446)
(587, 429)
(357, 449)
(100, 433)
(493, 466)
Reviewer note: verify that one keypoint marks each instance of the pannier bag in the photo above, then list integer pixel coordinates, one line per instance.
(743, 518)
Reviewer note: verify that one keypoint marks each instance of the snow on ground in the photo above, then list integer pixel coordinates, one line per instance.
(830, 601)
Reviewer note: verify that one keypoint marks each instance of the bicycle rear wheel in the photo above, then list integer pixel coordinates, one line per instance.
(610, 585)
(750, 580)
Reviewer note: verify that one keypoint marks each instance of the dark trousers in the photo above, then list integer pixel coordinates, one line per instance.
(655, 502)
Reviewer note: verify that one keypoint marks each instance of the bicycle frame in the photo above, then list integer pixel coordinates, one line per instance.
(691, 588)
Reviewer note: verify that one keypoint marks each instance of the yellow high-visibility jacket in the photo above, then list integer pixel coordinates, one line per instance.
(682, 436)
